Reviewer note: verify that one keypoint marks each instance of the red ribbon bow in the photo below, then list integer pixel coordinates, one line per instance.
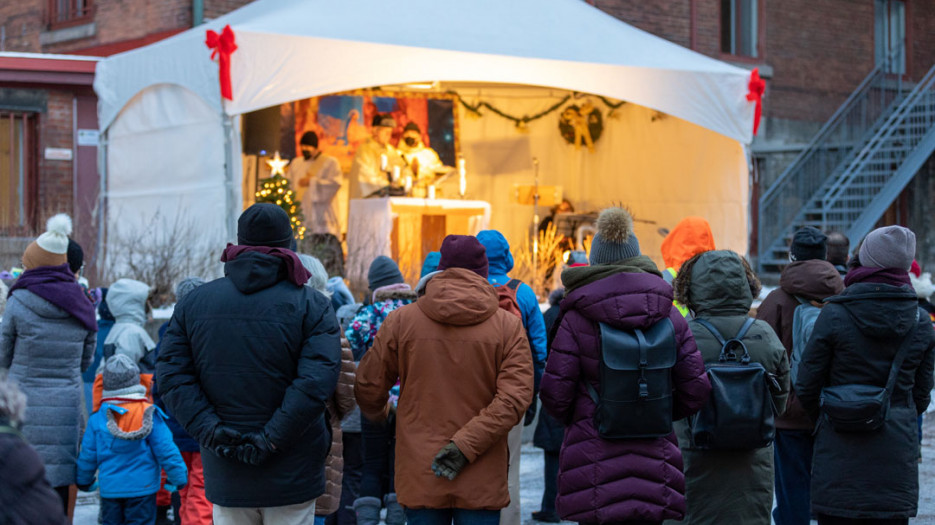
(756, 87)
(222, 46)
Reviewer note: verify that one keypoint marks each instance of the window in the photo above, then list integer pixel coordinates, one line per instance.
(17, 172)
(889, 31)
(63, 13)
(740, 27)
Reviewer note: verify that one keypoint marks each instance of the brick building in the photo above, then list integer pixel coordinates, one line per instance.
(813, 54)
(46, 164)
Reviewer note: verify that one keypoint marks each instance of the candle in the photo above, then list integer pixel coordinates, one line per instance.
(396, 173)
(432, 191)
(383, 162)
(408, 184)
(462, 172)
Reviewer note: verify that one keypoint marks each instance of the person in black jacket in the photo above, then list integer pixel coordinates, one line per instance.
(246, 366)
(26, 497)
(870, 477)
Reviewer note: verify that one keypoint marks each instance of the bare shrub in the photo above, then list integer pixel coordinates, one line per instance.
(161, 253)
(548, 257)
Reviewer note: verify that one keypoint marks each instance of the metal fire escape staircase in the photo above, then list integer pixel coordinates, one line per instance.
(856, 165)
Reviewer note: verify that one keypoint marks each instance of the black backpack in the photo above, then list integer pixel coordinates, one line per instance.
(739, 412)
(635, 372)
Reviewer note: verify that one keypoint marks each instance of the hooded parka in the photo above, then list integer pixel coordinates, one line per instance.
(730, 486)
(258, 353)
(872, 475)
(466, 376)
(603, 481)
(812, 280)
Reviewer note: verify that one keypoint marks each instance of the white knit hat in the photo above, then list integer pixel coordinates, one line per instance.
(55, 238)
(51, 248)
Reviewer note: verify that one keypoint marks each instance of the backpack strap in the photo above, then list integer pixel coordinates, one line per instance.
(714, 331)
(901, 355)
(513, 284)
(745, 358)
(745, 328)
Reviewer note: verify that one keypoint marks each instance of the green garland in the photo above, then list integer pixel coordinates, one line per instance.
(521, 122)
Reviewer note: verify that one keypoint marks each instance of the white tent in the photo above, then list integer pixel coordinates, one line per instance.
(171, 143)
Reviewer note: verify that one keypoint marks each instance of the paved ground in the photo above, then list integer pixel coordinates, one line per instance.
(532, 484)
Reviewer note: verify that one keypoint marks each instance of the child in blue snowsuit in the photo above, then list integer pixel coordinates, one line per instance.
(128, 441)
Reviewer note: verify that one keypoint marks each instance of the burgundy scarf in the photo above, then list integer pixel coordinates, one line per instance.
(295, 272)
(57, 285)
(865, 274)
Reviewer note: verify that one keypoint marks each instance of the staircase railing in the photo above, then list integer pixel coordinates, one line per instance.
(847, 128)
(860, 196)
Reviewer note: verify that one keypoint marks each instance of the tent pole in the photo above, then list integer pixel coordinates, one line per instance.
(100, 258)
(229, 176)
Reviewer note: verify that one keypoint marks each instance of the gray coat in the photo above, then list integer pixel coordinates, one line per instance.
(46, 349)
(730, 486)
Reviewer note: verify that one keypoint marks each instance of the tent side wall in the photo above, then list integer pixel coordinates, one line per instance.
(167, 183)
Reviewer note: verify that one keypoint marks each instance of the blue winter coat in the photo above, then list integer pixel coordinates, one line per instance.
(129, 464)
(500, 262)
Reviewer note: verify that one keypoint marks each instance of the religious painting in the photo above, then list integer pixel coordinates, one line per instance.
(342, 121)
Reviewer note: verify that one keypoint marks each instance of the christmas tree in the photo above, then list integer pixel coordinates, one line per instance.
(278, 190)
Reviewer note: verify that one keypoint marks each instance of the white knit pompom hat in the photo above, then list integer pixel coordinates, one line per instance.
(51, 248)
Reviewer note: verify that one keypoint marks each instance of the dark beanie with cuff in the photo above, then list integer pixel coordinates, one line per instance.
(265, 224)
(808, 243)
(383, 272)
(464, 251)
(75, 256)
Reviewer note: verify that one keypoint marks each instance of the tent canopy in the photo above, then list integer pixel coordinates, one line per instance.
(295, 49)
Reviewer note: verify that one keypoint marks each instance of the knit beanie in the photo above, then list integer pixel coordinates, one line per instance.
(51, 248)
(889, 247)
(383, 272)
(614, 240)
(430, 264)
(186, 286)
(464, 251)
(75, 256)
(265, 224)
(808, 243)
(120, 372)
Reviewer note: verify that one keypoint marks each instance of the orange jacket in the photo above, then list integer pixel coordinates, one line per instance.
(691, 236)
(466, 376)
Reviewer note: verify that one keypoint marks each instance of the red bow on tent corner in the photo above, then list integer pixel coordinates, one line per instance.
(756, 87)
(222, 46)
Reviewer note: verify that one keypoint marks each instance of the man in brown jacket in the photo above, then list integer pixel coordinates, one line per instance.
(811, 278)
(466, 379)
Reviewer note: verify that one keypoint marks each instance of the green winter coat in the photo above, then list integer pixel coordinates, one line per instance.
(730, 486)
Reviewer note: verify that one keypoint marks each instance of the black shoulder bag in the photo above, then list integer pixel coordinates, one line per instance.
(863, 408)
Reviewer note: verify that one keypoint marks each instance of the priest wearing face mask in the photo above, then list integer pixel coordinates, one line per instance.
(317, 178)
(422, 159)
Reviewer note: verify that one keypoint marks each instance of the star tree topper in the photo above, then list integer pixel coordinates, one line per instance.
(277, 165)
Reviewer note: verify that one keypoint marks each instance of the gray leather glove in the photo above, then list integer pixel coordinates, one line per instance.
(449, 462)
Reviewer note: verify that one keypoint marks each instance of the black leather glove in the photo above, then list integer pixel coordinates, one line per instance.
(256, 448)
(449, 462)
(224, 441)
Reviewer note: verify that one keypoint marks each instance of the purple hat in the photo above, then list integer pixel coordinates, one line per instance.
(464, 251)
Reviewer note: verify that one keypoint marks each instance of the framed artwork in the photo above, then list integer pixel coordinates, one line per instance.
(342, 121)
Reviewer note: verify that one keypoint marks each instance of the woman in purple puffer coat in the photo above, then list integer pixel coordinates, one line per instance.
(630, 481)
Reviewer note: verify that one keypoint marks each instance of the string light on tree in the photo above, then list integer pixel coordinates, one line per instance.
(278, 190)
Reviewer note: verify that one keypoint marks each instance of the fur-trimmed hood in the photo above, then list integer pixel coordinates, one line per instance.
(130, 420)
(400, 292)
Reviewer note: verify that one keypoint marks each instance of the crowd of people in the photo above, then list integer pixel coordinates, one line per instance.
(273, 396)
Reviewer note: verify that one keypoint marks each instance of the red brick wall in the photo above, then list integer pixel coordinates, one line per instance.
(23, 22)
(55, 176)
(216, 8)
(819, 50)
(119, 20)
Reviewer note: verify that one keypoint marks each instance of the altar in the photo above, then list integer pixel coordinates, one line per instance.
(406, 229)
